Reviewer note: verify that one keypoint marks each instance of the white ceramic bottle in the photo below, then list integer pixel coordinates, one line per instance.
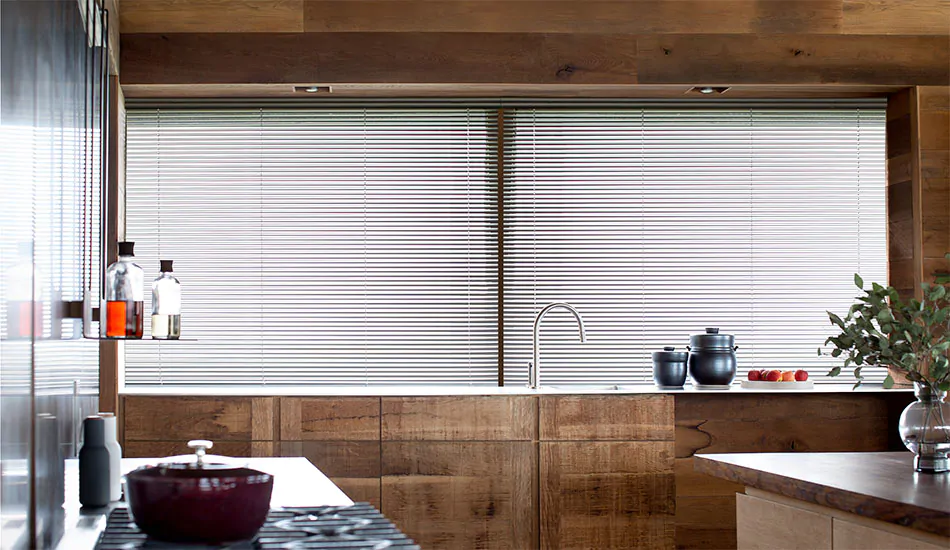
(115, 456)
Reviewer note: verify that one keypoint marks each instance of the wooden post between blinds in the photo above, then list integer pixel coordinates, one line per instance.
(500, 201)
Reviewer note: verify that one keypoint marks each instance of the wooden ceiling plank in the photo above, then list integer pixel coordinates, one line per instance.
(239, 16)
(794, 59)
(228, 58)
(574, 16)
(913, 17)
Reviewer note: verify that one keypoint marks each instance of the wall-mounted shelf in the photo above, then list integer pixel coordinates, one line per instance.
(142, 339)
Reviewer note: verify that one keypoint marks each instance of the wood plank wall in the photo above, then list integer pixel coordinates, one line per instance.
(559, 43)
(918, 192)
(524, 472)
(934, 139)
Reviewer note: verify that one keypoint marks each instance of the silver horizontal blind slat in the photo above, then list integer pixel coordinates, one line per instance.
(659, 222)
(318, 246)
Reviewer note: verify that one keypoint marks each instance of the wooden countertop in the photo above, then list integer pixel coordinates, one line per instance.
(882, 486)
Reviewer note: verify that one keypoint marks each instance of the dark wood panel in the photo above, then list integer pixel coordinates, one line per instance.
(674, 91)
(167, 16)
(900, 239)
(360, 489)
(899, 168)
(353, 465)
(935, 130)
(330, 58)
(459, 418)
(900, 201)
(777, 423)
(935, 98)
(620, 417)
(690, 483)
(150, 449)
(900, 275)
(763, 423)
(607, 494)
(579, 16)
(462, 495)
(215, 418)
(899, 138)
(706, 522)
(733, 59)
(896, 17)
(329, 418)
(935, 189)
(350, 459)
(222, 58)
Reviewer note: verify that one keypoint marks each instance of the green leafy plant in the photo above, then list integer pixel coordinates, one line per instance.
(883, 330)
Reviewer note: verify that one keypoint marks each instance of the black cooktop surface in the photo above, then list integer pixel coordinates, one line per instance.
(359, 526)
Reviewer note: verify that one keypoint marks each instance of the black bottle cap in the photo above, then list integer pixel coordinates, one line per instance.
(125, 248)
(166, 266)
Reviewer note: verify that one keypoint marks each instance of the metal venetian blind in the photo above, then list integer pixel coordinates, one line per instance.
(318, 246)
(658, 222)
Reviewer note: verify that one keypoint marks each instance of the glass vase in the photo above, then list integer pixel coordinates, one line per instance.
(925, 431)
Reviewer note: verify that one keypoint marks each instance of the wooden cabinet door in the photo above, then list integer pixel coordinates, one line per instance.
(765, 525)
(850, 535)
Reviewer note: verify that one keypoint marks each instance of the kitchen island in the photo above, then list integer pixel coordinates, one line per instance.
(834, 500)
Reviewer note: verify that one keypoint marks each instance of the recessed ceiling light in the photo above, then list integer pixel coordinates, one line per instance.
(313, 89)
(708, 90)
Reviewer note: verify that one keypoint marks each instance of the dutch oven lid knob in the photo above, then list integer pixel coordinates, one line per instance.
(668, 348)
(712, 330)
(200, 446)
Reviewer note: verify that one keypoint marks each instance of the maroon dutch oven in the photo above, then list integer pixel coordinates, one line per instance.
(205, 500)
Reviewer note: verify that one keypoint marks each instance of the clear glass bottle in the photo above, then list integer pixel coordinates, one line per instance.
(166, 304)
(125, 296)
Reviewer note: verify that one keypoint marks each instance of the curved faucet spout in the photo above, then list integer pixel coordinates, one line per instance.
(534, 369)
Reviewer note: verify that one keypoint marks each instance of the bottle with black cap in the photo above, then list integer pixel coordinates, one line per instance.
(94, 467)
(125, 296)
(166, 304)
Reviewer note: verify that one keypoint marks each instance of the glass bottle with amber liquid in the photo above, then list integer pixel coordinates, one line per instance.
(166, 304)
(125, 293)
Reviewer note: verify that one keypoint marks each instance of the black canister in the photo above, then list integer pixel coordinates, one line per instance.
(712, 358)
(669, 368)
(94, 464)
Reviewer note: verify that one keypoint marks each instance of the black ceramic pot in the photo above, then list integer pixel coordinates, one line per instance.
(712, 358)
(669, 367)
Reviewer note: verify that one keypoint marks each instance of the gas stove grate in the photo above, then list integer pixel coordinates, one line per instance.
(361, 527)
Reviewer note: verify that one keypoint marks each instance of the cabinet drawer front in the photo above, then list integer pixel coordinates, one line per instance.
(852, 536)
(763, 524)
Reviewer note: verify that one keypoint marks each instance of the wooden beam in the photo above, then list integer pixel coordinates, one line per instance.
(574, 16)
(917, 17)
(670, 91)
(896, 17)
(793, 59)
(212, 15)
(532, 59)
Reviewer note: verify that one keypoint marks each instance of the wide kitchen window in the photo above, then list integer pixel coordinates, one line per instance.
(360, 245)
(331, 246)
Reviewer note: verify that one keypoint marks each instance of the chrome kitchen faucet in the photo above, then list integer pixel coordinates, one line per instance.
(534, 367)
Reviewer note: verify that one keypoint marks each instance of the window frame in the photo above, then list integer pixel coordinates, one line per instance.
(500, 106)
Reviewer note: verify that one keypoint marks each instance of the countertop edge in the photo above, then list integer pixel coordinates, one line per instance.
(448, 391)
(898, 513)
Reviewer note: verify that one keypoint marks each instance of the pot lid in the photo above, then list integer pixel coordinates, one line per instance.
(669, 353)
(712, 339)
(198, 465)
